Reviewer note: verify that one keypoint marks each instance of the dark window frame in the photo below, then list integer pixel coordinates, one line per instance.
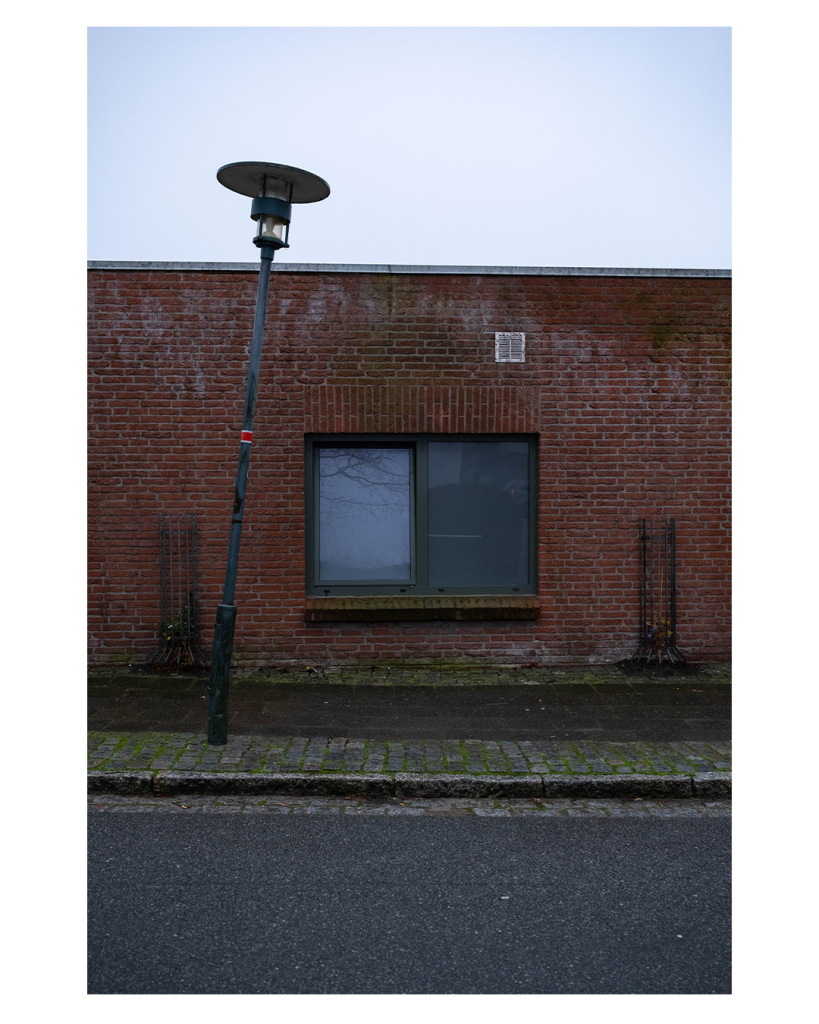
(419, 475)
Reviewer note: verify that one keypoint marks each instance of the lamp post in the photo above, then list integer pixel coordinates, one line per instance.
(273, 188)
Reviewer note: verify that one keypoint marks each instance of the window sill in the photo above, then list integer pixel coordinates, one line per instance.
(418, 608)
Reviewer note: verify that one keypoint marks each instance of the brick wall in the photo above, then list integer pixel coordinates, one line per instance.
(626, 382)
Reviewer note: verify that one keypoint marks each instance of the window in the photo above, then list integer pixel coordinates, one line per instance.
(431, 514)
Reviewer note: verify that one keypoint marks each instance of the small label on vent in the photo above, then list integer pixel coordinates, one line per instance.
(510, 347)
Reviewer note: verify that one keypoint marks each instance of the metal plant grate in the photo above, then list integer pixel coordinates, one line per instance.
(178, 592)
(658, 593)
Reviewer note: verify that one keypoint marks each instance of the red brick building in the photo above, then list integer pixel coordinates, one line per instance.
(410, 496)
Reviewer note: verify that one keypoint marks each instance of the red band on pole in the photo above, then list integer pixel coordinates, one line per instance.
(247, 435)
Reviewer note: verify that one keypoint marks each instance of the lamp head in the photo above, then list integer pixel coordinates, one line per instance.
(273, 188)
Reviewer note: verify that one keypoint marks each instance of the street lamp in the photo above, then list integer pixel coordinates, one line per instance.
(273, 188)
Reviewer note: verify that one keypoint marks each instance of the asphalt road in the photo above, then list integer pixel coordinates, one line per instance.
(333, 903)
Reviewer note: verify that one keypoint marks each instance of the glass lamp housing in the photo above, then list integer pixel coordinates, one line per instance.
(272, 228)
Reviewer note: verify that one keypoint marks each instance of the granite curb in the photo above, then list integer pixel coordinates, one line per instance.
(407, 784)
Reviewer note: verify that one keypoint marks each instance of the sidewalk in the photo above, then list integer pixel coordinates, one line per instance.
(587, 733)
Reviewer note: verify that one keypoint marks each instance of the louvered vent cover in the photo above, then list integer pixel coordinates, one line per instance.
(510, 347)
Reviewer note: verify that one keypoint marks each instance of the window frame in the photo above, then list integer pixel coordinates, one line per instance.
(419, 489)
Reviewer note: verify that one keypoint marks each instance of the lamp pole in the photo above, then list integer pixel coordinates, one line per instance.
(274, 187)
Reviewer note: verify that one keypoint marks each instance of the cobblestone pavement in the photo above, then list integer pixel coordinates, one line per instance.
(190, 751)
(625, 808)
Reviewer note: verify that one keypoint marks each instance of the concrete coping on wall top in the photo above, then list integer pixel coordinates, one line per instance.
(389, 268)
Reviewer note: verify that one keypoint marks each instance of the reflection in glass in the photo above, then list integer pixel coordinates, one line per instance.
(478, 513)
(364, 514)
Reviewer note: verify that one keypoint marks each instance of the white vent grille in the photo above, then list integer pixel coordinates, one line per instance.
(510, 347)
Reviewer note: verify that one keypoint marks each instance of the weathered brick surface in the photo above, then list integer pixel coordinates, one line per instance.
(626, 383)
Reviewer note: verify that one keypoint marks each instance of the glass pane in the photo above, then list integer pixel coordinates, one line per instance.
(364, 514)
(271, 226)
(275, 188)
(478, 513)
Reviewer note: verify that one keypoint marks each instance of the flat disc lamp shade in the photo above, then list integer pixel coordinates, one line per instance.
(273, 188)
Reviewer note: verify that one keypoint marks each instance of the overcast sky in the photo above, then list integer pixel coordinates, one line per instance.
(497, 146)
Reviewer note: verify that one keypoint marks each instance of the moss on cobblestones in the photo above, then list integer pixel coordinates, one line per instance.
(184, 751)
